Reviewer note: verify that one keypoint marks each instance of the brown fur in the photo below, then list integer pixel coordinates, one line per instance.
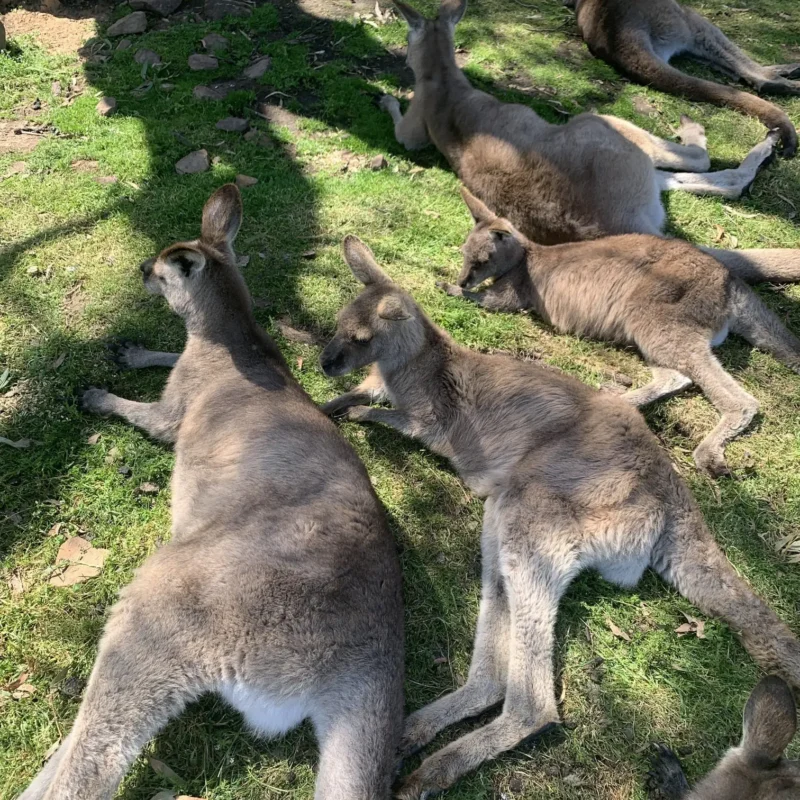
(280, 586)
(639, 37)
(755, 769)
(670, 299)
(573, 479)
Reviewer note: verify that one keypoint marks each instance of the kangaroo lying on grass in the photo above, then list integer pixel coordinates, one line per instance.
(665, 296)
(280, 587)
(639, 37)
(572, 478)
(594, 176)
(756, 769)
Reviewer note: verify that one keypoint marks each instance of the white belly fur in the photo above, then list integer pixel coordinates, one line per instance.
(718, 338)
(266, 714)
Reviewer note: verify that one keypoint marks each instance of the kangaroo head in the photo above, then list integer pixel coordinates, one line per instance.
(431, 40)
(755, 769)
(493, 247)
(195, 277)
(383, 324)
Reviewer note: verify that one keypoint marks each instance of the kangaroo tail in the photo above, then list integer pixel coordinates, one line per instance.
(688, 557)
(774, 265)
(639, 62)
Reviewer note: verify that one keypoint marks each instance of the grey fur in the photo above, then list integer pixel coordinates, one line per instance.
(755, 769)
(573, 479)
(280, 586)
(671, 300)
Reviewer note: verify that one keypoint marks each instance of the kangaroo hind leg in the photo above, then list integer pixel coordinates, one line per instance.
(537, 566)
(752, 320)
(664, 383)
(134, 690)
(687, 556)
(486, 684)
(730, 183)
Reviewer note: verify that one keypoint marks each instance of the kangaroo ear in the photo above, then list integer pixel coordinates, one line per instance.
(451, 11)
(413, 18)
(186, 261)
(362, 263)
(392, 307)
(480, 212)
(222, 216)
(770, 722)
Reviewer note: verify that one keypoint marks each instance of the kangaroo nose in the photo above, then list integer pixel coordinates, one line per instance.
(147, 266)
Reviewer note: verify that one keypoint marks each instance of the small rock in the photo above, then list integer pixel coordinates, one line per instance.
(163, 7)
(242, 261)
(243, 181)
(167, 87)
(106, 106)
(214, 42)
(55, 88)
(378, 163)
(198, 61)
(125, 471)
(34, 271)
(194, 162)
(132, 23)
(73, 687)
(217, 9)
(233, 125)
(145, 56)
(124, 44)
(258, 137)
(207, 93)
(257, 68)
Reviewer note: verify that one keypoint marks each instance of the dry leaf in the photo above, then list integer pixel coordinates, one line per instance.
(18, 681)
(733, 241)
(25, 690)
(618, 632)
(15, 584)
(55, 530)
(85, 562)
(148, 488)
(20, 444)
(720, 235)
(160, 768)
(59, 361)
(93, 439)
(440, 660)
(692, 625)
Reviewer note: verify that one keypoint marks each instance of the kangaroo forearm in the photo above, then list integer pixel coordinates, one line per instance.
(150, 417)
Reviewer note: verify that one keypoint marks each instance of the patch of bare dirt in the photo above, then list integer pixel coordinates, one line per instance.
(61, 31)
(13, 142)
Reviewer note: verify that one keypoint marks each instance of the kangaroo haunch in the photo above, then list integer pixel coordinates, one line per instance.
(573, 479)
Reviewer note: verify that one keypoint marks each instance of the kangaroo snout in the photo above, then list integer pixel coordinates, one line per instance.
(332, 361)
(146, 267)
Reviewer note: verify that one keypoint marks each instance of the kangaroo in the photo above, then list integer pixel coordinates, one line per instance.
(756, 769)
(595, 176)
(280, 587)
(639, 37)
(665, 296)
(572, 478)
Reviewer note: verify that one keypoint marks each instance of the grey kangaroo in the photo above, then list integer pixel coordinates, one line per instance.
(755, 769)
(280, 587)
(665, 296)
(639, 37)
(572, 479)
(594, 176)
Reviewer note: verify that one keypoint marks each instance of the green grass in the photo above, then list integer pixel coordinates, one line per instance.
(69, 284)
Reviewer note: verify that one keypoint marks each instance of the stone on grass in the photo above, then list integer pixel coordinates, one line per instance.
(163, 7)
(213, 42)
(207, 93)
(217, 9)
(193, 163)
(379, 162)
(132, 23)
(233, 125)
(259, 138)
(106, 106)
(257, 68)
(243, 181)
(145, 56)
(55, 88)
(198, 61)
(124, 44)
(167, 87)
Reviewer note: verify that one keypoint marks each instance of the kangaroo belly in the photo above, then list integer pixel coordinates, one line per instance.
(266, 714)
